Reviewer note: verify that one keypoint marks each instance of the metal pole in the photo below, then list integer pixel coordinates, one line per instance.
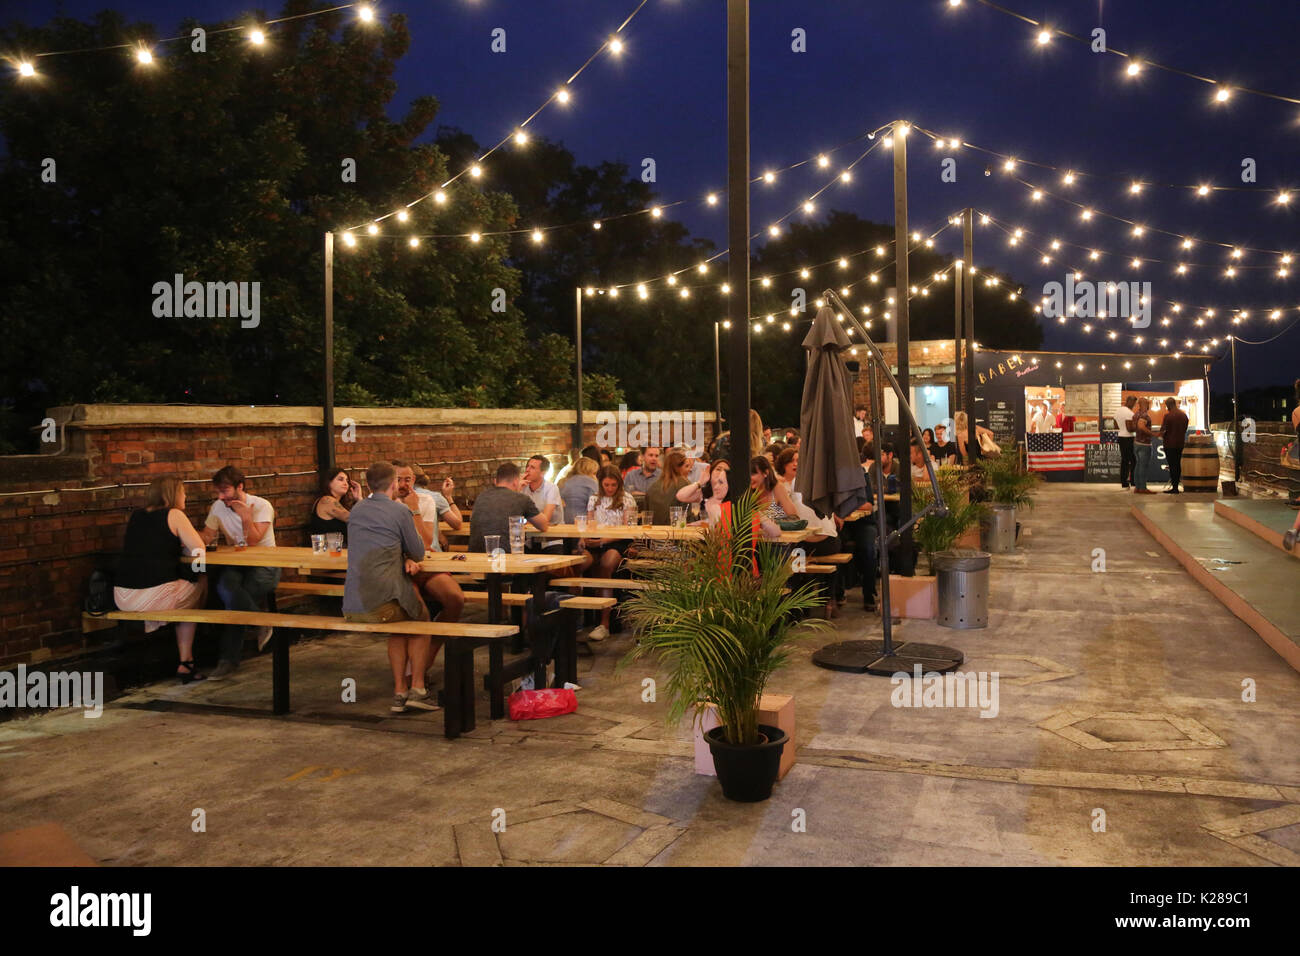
(956, 335)
(738, 237)
(882, 533)
(1236, 417)
(577, 358)
(717, 379)
(325, 439)
(968, 313)
(903, 339)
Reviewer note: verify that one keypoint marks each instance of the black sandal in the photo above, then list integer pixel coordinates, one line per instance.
(193, 674)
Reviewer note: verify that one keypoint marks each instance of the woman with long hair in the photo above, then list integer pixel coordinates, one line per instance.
(962, 425)
(662, 494)
(611, 506)
(335, 496)
(150, 576)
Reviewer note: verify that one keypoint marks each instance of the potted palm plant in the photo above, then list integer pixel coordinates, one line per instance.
(1009, 487)
(720, 618)
(934, 534)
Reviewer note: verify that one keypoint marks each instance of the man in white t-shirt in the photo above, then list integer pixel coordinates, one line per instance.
(1043, 420)
(246, 521)
(1124, 422)
(546, 496)
(440, 590)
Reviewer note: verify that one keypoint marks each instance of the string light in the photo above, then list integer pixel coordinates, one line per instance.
(256, 37)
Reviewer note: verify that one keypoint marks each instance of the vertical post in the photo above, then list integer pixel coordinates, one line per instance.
(738, 237)
(577, 359)
(1236, 417)
(901, 282)
(882, 532)
(717, 379)
(956, 333)
(325, 438)
(968, 319)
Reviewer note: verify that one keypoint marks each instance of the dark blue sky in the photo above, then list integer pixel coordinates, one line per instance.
(970, 72)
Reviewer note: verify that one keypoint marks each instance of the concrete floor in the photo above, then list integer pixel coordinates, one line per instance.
(1120, 693)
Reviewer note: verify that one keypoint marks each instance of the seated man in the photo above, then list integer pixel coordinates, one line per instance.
(494, 507)
(945, 452)
(247, 521)
(639, 480)
(918, 462)
(439, 588)
(384, 551)
(548, 501)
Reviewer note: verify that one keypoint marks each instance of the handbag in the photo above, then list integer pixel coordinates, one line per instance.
(988, 445)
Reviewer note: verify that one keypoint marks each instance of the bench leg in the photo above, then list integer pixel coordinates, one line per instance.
(496, 680)
(452, 689)
(280, 671)
(467, 719)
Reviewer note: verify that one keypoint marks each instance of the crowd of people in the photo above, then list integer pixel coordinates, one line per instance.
(398, 516)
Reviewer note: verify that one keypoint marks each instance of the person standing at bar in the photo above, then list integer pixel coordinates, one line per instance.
(1124, 424)
(1173, 432)
(1142, 436)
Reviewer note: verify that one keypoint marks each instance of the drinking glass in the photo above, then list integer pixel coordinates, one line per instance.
(677, 516)
(318, 544)
(580, 522)
(492, 543)
(647, 518)
(516, 534)
(334, 540)
(240, 543)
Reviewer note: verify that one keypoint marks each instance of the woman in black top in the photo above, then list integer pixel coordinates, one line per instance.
(338, 494)
(149, 575)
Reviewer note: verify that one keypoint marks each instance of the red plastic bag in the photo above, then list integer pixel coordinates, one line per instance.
(535, 704)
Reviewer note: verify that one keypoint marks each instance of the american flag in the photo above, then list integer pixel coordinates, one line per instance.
(1058, 451)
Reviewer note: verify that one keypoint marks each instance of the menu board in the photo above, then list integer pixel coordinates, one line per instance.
(1002, 422)
(1101, 462)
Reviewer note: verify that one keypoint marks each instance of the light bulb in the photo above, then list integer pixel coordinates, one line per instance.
(256, 37)
(656, 212)
(440, 197)
(823, 161)
(1036, 195)
(613, 292)
(474, 237)
(562, 95)
(413, 242)
(767, 283)
(844, 263)
(144, 56)
(1068, 179)
(349, 239)
(808, 206)
(365, 14)
(616, 46)
(1135, 188)
(1043, 37)
(774, 231)
(643, 292)
(596, 224)
(804, 274)
(476, 171)
(403, 215)
(1134, 68)
(846, 177)
(769, 177)
(373, 229)
(712, 199)
(1202, 190)
(726, 288)
(1221, 95)
(521, 138)
(537, 235)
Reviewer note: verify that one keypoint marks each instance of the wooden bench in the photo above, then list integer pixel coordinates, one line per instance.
(841, 558)
(615, 584)
(458, 663)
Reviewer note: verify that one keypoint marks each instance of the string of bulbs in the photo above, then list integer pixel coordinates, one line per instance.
(1135, 65)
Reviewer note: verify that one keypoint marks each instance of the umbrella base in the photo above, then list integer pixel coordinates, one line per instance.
(868, 657)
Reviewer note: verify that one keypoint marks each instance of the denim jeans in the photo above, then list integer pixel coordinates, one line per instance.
(1142, 456)
(863, 535)
(242, 589)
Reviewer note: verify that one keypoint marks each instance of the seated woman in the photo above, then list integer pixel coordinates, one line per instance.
(630, 460)
(662, 494)
(613, 506)
(927, 436)
(150, 576)
(578, 487)
(774, 500)
(962, 424)
(787, 467)
(336, 496)
(710, 491)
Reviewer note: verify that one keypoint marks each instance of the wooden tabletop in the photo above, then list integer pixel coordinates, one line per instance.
(433, 561)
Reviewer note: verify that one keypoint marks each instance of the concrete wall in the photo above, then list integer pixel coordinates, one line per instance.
(60, 514)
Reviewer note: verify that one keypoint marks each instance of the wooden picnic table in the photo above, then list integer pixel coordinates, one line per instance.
(458, 666)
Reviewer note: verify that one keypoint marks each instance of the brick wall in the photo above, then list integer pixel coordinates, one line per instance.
(50, 541)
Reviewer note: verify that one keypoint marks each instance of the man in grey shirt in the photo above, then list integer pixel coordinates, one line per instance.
(639, 480)
(384, 548)
(494, 506)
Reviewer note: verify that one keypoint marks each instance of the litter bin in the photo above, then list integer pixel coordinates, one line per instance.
(963, 588)
(1000, 529)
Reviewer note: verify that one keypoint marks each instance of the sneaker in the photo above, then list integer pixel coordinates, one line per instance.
(1288, 540)
(264, 637)
(598, 633)
(420, 699)
(223, 670)
(1171, 491)
(399, 704)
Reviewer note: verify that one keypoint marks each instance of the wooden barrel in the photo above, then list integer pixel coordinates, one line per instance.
(1200, 464)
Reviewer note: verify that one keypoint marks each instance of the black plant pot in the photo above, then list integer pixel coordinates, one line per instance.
(747, 772)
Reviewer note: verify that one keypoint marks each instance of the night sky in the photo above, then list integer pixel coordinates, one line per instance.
(969, 72)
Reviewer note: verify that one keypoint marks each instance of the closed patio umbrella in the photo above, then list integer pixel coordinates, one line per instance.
(831, 478)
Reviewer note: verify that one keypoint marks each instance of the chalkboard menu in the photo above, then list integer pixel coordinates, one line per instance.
(1002, 422)
(1101, 462)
